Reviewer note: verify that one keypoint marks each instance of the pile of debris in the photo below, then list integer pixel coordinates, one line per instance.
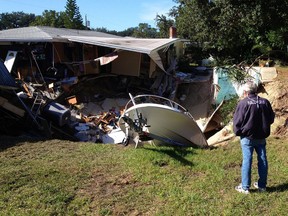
(97, 121)
(67, 110)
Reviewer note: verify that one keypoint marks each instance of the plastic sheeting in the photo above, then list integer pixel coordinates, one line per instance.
(6, 80)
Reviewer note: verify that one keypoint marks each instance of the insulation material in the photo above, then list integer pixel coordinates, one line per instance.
(115, 136)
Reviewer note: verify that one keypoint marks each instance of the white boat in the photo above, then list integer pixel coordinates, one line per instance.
(153, 117)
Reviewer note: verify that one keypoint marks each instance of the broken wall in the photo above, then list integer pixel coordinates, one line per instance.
(127, 63)
(90, 52)
(197, 96)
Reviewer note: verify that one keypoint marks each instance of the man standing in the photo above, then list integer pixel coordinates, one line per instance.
(252, 120)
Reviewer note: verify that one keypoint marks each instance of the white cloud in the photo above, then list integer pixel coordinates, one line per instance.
(150, 10)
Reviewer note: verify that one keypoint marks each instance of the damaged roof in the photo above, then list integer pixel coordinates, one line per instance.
(46, 34)
(49, 34)
(142, 45)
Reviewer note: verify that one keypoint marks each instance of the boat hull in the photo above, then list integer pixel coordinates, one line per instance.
(164, 123)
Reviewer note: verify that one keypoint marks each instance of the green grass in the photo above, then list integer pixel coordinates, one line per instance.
(58, 177)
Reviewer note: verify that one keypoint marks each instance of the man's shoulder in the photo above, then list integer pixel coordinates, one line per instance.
(243, 101)
(264, 99)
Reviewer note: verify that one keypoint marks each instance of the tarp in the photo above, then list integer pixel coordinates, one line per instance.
(6, 80)
(10, 59)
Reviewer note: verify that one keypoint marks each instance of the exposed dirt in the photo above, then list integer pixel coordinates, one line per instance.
(277, 93)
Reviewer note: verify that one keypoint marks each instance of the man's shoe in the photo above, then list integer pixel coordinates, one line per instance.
(241, 190)
(259, 188)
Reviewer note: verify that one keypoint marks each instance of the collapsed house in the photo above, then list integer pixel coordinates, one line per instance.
(85, 76)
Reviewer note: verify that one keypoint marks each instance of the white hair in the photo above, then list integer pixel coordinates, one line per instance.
(250, 87)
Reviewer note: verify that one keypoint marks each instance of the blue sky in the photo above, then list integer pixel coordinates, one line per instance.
(114, 14)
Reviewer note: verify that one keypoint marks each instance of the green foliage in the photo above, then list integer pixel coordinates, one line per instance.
(73, 18)
(144, 31)
(260, 49)
(127, 32)
(277, 38)
(235, 73)
(228, 108)
(15, 20)
(231, 28)
(50, 18)
(163, 24)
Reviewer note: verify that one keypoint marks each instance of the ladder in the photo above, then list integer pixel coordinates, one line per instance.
(34, 112)
(38, 101)
(29, 110)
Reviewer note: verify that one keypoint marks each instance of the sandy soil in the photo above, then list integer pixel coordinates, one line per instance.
(277, 93)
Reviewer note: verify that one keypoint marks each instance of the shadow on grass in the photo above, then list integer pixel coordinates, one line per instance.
(11, 141)
(175, 153)
(278, 188)
(274, 189)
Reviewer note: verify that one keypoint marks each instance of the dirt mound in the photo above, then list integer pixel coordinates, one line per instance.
(277, 93)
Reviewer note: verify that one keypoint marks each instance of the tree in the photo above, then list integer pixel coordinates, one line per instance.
(49, 18)
(15, 20)
(127, 32)
(144, 31)
(163, 25)
(231, 28)
(73, 18)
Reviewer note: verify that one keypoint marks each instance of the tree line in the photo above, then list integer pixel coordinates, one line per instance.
(230, 29)
(71, 18)
(235, 29)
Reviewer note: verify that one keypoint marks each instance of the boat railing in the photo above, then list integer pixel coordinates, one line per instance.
(147, 98)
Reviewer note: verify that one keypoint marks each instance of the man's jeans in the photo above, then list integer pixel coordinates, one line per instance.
(248, 146)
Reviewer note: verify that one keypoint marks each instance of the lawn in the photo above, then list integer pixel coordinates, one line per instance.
(57, 177)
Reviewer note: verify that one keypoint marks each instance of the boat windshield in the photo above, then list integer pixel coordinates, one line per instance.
(155, 99)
